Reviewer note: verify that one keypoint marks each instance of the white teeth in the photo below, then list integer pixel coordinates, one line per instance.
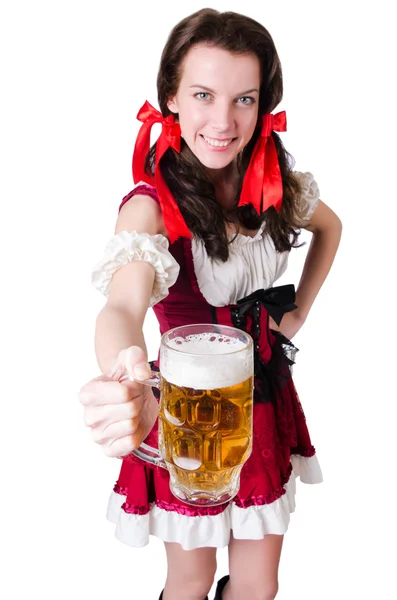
(217, 143)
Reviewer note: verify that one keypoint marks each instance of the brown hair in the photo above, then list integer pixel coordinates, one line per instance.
(184, 174)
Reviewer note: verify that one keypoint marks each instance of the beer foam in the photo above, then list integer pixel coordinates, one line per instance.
(206, 361)
(206, 343)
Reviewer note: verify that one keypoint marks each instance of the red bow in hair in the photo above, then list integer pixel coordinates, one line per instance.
(170, 137)
(263, 186)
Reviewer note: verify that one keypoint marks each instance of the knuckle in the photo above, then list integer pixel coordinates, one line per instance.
(122, 448)
(133, 353)
(107, 412)
(125, 393)
(134, 410)
(98, 436)
(108, 451)
(91, 392)
(89, 419)
(93, 416)
(84, 397)
(130, 356)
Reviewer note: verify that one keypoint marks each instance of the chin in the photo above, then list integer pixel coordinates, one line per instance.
(215, 162)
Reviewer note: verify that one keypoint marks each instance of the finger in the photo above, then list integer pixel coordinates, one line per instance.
(133, 361)
(125, 445)
(107, 435)
(120, 447)
(101, 391)
(95, 416)
(88, 385)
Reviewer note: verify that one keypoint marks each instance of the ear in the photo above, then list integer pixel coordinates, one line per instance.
(173, 105)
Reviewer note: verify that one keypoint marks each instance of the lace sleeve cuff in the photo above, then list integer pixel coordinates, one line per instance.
(129, 246)
(308, 200)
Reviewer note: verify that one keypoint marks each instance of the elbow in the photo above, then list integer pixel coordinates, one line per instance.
(338, 226)
(338, 222)
(333, 226)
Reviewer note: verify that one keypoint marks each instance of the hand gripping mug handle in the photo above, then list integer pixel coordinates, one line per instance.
(146, 452)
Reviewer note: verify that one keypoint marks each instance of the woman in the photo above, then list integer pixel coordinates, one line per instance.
(203, 237)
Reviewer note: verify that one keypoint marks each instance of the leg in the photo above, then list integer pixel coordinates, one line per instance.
(253, 567)
(190, 573)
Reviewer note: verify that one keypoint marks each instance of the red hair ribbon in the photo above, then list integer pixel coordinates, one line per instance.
(170, 137)
(262, 185)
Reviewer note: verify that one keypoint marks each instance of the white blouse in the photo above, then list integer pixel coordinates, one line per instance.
(253, 262)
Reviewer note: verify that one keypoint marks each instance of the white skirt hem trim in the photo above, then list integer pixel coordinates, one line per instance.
(251, 523)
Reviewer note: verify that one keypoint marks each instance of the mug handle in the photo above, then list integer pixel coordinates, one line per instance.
(146, 452)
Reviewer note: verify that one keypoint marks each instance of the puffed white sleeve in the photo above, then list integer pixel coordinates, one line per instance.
(129, 246)
(308, 200)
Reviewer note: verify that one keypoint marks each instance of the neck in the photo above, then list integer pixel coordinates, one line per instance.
(225, 182)
(223, 176)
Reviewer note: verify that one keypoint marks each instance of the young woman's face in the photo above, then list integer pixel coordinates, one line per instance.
(217, 103)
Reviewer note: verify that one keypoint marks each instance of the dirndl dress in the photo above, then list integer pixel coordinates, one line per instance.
(141, 503)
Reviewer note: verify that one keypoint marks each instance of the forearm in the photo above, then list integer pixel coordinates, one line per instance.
(318, 263)
(116, 329)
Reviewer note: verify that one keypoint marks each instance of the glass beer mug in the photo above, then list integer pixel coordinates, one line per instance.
(205, 412)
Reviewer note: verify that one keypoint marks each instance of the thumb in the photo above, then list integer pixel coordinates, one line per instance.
(133, 361)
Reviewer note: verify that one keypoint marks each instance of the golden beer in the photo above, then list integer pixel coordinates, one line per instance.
(205, 416)
(205, 438)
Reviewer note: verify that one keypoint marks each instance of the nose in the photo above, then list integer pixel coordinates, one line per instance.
(222, 117)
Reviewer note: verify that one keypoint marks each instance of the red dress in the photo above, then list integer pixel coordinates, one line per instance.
(142, 503)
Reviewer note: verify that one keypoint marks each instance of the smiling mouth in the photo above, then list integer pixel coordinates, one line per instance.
(218, 143)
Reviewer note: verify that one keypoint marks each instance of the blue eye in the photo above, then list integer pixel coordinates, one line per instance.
(248, 100)
(200, 95)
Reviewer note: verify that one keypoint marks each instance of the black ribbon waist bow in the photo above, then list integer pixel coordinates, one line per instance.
(277, 301)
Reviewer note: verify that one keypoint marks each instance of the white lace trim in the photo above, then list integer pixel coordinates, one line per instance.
(129, 246)
(308, 200)
(213, 531)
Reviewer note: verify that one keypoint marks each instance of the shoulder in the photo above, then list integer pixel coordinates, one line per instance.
(309, 186)
(141, 189)
(307, 200)
(315, 214)
(140, 211)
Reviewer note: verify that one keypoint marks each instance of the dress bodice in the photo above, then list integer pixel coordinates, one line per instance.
(253, 263)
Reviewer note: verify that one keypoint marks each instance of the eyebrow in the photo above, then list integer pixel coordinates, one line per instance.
(207, 89)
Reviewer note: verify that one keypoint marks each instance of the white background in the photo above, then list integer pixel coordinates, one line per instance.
(73, 76)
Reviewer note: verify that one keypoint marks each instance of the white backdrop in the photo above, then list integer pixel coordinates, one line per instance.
(73, 76)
